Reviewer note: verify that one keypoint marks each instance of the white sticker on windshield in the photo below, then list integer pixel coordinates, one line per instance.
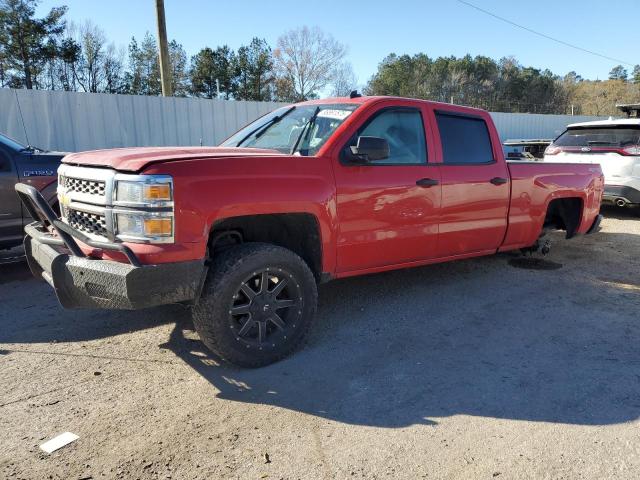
(334, 114)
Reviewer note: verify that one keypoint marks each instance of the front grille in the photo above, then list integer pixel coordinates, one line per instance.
(91, 223)
(80, 185)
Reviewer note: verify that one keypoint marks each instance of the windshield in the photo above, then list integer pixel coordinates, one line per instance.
(620, 136)
(301, 129)
(11, 143)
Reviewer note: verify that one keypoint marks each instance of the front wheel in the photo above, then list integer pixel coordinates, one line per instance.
(257, 304)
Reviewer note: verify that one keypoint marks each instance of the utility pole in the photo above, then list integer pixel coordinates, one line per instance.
(165, 70)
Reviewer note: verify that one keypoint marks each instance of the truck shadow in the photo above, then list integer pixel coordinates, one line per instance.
(469, 338)
(476, 338)
(36, 317)
(14, 271)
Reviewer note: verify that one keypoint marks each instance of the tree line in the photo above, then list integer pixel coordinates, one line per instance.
(503, 85)
(51, 53)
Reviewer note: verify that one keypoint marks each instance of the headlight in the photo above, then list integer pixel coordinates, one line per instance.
(144, 190)
(148, 213)
(153, 227)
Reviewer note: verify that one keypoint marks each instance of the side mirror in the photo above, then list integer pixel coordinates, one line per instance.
(369, 149)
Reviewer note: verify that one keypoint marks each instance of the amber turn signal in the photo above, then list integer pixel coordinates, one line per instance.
(160, 191)
(154, 227)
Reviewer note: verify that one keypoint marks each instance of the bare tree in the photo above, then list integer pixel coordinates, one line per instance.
(88, 62)
(113, 66)
(90, 71)
(307, 58)
(345, 80)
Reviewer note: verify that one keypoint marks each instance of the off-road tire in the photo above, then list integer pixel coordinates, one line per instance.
(229, 269)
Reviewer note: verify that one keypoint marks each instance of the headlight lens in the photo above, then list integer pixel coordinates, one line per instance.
(143, 208)
(152, 190)
(153, 227)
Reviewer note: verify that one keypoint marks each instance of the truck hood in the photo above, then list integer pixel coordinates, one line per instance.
(48, 155)
(135, 159)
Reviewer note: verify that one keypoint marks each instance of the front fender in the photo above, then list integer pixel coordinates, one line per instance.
(214, 189)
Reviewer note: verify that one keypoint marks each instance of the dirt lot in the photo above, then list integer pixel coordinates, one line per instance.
(474, 369)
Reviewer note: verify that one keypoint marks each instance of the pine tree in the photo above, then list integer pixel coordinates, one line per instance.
(212, 67)
(143, 75)
(27, 40)
(618, 73)
(636, 74)
(254, 71)
(178, 63)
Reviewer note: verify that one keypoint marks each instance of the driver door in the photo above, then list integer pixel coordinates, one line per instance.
(388, 209)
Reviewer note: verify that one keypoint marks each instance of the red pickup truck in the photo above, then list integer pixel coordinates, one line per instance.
(244, 232)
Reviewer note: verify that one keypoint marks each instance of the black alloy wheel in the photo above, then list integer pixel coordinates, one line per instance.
(257, 304)
(265, 308)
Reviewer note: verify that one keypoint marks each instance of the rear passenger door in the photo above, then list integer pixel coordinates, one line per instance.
(475, 186)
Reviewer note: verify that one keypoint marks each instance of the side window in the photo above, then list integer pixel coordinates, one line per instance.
(465, 140)
(403, 129)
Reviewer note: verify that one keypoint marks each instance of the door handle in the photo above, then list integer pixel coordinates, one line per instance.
(498, 180)
(427, 182)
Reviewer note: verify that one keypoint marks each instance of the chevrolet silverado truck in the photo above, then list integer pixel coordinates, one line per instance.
(22, 163)
(243, 233)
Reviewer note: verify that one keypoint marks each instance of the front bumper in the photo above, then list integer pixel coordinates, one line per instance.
(83, 282)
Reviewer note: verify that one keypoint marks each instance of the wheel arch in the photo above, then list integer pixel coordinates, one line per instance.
(564, 213)
(299, 232)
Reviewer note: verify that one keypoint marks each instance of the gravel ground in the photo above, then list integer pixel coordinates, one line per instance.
(472, 369)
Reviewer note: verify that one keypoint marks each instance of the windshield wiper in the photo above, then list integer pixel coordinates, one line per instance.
(597, 142)
(258, 132)
(306, 131)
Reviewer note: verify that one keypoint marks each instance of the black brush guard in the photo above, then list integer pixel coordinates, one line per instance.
(38, 208)
(85, 282)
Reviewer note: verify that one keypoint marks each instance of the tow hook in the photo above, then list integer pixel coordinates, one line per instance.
(545, 247)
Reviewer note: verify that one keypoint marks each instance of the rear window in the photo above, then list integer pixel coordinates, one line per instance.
(465, 140)
(602, 136)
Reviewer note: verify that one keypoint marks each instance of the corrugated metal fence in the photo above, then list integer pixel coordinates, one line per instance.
(71, 121)
(534, 125)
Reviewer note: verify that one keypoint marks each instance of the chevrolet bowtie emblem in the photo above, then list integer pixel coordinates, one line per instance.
(64, 200)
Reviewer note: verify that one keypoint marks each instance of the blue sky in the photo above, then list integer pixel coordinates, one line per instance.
(372, 29)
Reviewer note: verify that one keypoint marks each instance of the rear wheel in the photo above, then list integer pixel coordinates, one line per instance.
(257, 304)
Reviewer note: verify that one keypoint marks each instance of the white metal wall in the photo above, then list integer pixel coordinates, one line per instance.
(534, 126)
(71, 121)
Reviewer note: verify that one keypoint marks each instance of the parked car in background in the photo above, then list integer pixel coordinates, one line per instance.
(526, 150)
(310, 192)
(26, 164)
(615, 145)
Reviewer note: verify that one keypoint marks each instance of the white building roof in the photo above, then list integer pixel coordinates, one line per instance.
(608, 123)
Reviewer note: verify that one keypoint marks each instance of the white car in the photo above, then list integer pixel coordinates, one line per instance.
(615, 145)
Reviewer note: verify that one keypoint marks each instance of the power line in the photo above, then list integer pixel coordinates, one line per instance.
(567, 44)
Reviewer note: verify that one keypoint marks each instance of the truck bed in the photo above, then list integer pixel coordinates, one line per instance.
(535, 184)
